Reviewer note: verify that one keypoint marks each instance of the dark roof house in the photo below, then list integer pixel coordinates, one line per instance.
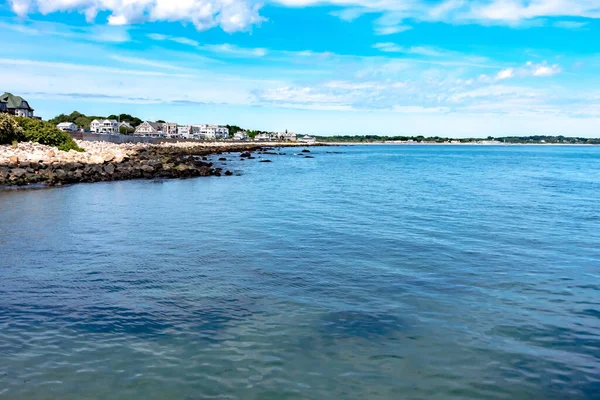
(15, 105)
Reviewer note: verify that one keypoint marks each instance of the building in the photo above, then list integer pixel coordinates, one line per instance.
(67, 127)
(105, 126)
(286, 136)
(307, 139)
(15, 105)
(241, 135)
(210, 132)
(184, 131)
(151, 129)
(126, 125)
(263, 137)
(169, 129)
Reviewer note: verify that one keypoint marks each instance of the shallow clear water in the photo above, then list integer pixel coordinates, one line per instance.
(408, 272)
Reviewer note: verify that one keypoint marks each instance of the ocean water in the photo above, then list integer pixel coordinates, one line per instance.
(367, 272)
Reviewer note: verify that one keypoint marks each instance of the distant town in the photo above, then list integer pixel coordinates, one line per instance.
(125, 124)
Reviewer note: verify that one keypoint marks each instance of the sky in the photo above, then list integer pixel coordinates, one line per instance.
(459, 68)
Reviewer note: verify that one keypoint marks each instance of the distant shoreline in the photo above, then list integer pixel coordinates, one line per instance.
(450, 144)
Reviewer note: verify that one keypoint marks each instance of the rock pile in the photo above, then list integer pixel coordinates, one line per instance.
(30, 163)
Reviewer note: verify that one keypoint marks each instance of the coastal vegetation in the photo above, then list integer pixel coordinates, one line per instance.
(22, 129)
(83, 121)
(35, 130)
(10, 130)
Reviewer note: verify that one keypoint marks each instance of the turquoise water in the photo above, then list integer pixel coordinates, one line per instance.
(377, 272)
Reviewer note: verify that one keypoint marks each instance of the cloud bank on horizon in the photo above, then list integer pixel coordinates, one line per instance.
(320, 66)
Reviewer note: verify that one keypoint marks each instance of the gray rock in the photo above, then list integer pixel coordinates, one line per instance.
(109, 169)
(18, 172)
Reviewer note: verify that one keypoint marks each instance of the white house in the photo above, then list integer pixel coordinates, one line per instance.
(126, 125)
(263, 137)
(307, 139)
(106, 126)
(151, 129)
(184, 131)
(241, 135)
(210, 132)
(67, 127)
(286, 136)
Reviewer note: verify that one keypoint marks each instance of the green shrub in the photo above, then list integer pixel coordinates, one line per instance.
(9, 129)
(43, 132)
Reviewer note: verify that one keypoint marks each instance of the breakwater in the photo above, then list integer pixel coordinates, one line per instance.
(31, 163)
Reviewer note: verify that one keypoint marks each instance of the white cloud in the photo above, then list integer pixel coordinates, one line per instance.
(390, 30)
(505, 74)
(225, 48)
(570, 24)
(530, 69)
(240, 15)
(389, 47)
(230, 15)
(235, 51)
(96, 33)
(546, 70)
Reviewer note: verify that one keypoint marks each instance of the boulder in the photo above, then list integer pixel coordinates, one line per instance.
(306, 151)
(14, 160)
(96, 159)
(228, 173)
(222, 159)
(109, 169)
(265, 161)
(147, 168)
(246, 154)
(50, 154)
(18, 172)
(108, 157)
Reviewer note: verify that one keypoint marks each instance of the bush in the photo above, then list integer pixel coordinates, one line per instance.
(9, 129)
(43, 132)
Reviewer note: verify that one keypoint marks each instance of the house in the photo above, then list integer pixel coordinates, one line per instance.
(169, 129)
(125, 125)
(210, 132)
(286, 136)
(263, 137)
(184, 131)
(241, 135)
(148, 128)
(15, 105)
(105, 126)
(67, 127)
(307, 139)
(151, 129)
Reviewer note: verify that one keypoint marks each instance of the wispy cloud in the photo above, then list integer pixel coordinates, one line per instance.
(235, 51)
(570, 24)
(224, 48)
(94, 33)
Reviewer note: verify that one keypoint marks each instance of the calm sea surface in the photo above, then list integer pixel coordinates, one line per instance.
(379, 272)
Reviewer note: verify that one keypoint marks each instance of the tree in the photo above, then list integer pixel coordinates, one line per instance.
(9, 129)
(43, 132)
(160, 121)
(125, 130)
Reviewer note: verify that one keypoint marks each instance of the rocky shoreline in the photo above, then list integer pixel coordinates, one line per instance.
(33, 163)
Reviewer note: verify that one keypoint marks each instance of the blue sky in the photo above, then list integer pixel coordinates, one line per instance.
(431, 67)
